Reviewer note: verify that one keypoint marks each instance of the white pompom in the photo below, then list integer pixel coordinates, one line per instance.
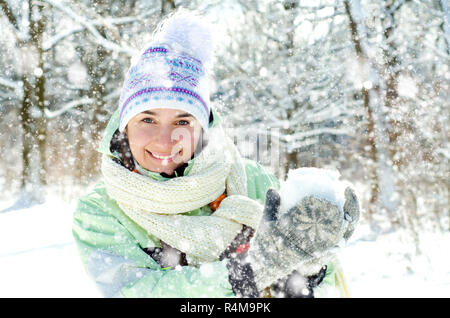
(189, 31)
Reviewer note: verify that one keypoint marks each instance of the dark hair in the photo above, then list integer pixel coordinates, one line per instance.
(119, 143)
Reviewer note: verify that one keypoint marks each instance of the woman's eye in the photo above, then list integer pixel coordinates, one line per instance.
(183, 122)
(147, 120)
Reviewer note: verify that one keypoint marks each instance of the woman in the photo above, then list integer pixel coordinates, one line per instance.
(179, 212)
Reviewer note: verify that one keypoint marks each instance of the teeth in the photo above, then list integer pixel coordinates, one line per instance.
(162, 157)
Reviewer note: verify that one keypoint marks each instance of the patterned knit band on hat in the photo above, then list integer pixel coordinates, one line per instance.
(171, 72)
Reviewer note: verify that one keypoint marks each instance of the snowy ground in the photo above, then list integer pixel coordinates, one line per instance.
(38, 258)
(389, 266)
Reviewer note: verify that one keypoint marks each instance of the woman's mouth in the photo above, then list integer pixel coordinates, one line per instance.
(161, 157)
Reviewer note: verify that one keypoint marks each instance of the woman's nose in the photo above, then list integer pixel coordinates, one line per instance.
(165, 139)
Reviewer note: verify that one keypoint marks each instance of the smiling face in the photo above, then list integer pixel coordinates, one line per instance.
(163, 139)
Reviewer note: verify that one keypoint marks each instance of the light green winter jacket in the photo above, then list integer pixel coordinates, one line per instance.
(111, 245)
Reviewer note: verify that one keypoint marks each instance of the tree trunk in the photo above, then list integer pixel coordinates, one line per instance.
(391, 101)
(41, 123)
(383, 188)
(80, 150)
(371, 139)
(373, 154)
(34, 127)
(97, 71)
(289, 46)
(28, 129)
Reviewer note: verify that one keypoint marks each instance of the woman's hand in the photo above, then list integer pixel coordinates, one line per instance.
(314, 224)
(311, 227)
(351, 212)
(307, 232)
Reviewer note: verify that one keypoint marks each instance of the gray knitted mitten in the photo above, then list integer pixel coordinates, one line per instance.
(351, 212)
(305, 234)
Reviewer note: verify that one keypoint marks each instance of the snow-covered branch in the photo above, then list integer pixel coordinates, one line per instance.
(90, 26)
(16, 86)
(422, 4)
(395, 6)
(10, 84)
(113, 95)
(52, 42)
(444, 55)
(104, 21)
(300, 138)
(68, 106)
(291, 146)
(321, 131)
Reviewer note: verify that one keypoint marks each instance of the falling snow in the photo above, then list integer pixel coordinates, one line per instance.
(357, 87)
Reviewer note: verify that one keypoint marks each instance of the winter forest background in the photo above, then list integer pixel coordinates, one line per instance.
(361, 86)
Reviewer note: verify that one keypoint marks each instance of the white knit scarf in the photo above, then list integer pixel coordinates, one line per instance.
(157, 206)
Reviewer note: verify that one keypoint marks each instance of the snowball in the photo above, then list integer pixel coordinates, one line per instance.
(320, 183)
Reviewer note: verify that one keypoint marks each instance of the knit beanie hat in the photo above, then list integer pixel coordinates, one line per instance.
(172, 71)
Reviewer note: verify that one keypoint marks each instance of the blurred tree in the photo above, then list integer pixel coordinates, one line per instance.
(388, 35)
(274, 76)
(28, 27)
